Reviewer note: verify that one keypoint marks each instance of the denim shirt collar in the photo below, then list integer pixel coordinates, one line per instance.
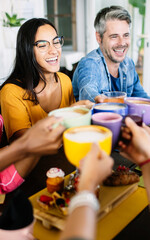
(123, 67)
(105, 64)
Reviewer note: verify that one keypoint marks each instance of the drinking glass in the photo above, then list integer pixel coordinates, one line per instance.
(114, 96)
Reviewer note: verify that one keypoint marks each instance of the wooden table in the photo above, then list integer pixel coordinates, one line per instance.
(109, 226)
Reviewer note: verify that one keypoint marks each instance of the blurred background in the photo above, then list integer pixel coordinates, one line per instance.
(74, 19)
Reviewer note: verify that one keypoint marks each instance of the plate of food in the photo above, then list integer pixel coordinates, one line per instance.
(52, 207)
(56, 197)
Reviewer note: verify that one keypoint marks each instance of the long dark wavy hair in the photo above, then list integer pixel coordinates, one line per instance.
(26, 69)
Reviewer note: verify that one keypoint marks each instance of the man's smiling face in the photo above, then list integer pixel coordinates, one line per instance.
(116, 41)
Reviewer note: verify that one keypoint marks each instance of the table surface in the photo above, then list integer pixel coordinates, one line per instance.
(115, 221)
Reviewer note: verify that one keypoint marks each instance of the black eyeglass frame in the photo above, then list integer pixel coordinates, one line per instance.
(61, 40)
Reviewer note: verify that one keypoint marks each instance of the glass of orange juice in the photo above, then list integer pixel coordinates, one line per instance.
(114, 96)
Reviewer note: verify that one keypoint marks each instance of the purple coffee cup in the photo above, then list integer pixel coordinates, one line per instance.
(110, 120)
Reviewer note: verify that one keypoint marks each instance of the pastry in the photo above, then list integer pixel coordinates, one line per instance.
(55, 180)
(55, 200)
(122, 176)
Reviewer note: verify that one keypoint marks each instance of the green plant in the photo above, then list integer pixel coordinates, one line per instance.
(12, 21)
(140, 4)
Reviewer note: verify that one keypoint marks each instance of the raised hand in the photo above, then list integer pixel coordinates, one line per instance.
(137, 150)
(42, 138)
(95, 167)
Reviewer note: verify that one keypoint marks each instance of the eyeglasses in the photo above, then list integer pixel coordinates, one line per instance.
(44, 45)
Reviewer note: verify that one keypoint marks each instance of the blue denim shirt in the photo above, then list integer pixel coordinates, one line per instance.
(92, 77)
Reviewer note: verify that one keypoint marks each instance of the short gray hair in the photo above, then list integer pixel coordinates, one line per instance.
(110, 13)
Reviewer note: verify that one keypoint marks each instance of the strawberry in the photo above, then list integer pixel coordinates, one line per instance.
(76, 182)
(45, 199)
(123, 168)
(76, 179)
(67, 201)
(119, 168)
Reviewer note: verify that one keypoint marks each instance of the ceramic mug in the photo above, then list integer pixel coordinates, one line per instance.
(110, 120)
(73, 116)
(119, 108)
(78, 140)
(140, 107)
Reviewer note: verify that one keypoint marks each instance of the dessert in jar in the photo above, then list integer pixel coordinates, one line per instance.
(55, 180)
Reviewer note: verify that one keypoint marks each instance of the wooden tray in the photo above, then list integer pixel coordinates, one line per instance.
(109, 197)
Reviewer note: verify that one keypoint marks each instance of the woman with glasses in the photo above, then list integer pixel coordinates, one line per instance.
(35, 87)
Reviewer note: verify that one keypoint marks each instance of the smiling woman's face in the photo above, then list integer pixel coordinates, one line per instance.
(49, 60)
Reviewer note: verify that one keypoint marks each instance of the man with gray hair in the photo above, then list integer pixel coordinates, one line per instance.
(108, 68)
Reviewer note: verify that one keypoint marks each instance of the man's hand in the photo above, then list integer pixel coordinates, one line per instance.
(83, 103)
(100, 98)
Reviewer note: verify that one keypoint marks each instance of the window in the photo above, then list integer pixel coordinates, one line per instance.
(62, 13)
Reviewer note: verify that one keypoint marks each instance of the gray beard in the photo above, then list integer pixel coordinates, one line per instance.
(112, 59)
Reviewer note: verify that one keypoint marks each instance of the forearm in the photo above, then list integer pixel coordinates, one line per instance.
(12, 153)
(89, 75)
(88, 92)
(81, 223)
(26, 165)
(17, 135)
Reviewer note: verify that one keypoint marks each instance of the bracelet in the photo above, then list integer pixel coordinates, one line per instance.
(84, 198)
(143, 163)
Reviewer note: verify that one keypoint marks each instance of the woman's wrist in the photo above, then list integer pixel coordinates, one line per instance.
(82, 199)
(20, 147)
(85, 186)
(144, 163)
